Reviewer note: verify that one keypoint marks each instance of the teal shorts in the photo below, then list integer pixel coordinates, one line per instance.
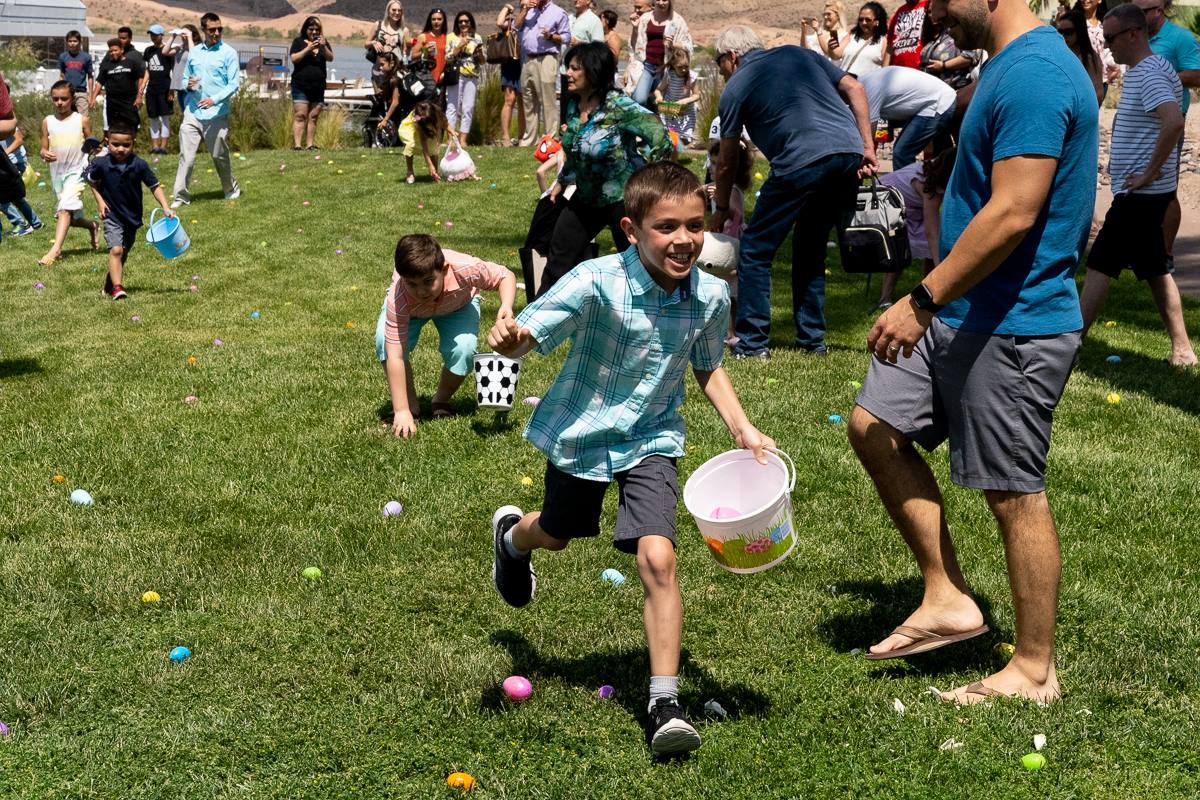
(458, 335)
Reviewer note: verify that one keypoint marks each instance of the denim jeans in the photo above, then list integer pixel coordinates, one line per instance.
(20, 214)
(918, 132)
(808, 202)
(651, 76)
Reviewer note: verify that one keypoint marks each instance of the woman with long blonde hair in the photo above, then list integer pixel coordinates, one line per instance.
(390, 35)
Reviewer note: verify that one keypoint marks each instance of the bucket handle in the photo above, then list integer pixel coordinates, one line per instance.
(152, 213)
(791, 467)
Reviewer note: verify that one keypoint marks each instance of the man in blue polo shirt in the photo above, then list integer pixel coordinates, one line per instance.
(213, 75)
(1179, 48)
(810, 119)
(980, 352)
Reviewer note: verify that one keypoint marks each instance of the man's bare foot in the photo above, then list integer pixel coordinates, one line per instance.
(1187, 359)
(1012, 681)
(955, 616)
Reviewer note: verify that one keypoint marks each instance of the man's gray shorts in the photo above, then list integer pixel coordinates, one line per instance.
(118, 235)
(993, 396)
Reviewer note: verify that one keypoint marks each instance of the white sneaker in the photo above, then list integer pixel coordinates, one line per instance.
(176, 203)
(235, 194)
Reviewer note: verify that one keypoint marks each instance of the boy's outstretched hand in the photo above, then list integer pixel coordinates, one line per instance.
(751, 438)
(509, 339)
(403, 424)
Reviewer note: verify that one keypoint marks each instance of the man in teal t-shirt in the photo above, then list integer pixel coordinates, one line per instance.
(980, 352)
(1178, 46)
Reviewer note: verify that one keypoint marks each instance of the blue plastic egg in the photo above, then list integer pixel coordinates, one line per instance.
(179, 654)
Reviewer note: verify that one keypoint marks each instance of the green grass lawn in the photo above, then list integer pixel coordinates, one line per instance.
(382, 677)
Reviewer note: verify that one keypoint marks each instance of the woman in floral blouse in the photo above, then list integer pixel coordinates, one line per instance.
(607, 137)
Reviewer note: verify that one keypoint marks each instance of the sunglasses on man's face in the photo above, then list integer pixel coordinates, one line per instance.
(215, 30)
(1110, 39)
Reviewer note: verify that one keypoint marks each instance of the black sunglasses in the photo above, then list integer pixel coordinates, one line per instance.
(1109, 39)
(218, 29)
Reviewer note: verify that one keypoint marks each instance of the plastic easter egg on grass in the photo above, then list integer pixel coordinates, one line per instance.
(191, 361)
(1113, 399)
(217, 342)
(612, 577)
(606, 692)
(1113, 359)
(80, 497)
(135, 318)
(179, 654)
(1112, 323)
(59, 479)
(834, 419)
(191, 398)
(460, 780)
(1005, 649)
(255, 314)
(1033, 761)
(517, 688)
(151, 597)
(39, 285)
(527, 481)
(311, 573)
(392, 508)
(3, 729)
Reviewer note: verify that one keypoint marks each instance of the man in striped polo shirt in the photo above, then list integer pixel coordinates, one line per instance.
(1145, 174)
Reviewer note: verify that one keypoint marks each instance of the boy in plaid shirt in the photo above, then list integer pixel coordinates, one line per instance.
(635, 321)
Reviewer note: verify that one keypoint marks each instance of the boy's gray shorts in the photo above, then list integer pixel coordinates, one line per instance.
(118, 235)
(992, 396)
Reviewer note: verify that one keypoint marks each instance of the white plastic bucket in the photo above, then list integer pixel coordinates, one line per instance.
(496, 380)
(168, 235)
(744, 509)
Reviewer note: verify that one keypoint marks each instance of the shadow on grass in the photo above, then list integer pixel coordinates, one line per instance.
(1137, 372)
(891, 603)
(14, 367)
(626, 671)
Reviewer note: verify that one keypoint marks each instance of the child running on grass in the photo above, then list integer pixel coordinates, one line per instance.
(22, 216)
(116, 179)
(432, 283)
(635, 320)
(63, 133)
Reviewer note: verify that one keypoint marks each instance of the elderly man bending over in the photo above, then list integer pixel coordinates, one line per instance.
(810, 120)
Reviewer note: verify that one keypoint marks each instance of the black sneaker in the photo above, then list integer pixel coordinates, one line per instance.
(670, 732)
(513, 577)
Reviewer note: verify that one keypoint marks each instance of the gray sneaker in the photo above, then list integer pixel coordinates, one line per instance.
(513, 577)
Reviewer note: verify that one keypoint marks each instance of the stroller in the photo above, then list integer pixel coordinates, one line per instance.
(412, 89)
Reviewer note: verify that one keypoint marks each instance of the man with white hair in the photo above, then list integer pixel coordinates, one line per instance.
(810, 120)
(980, 352)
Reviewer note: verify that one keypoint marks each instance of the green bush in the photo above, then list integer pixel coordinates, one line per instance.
(489, 101)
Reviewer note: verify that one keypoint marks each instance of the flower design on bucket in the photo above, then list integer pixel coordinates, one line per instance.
(758, 545)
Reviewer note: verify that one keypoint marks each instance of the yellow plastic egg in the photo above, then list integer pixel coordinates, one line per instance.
(150, 597)
(1113, 398)
(527, 481)
(191, 361)
(460, 780)
(59, 479)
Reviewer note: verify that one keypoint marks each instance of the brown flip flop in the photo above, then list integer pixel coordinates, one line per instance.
(924, 641)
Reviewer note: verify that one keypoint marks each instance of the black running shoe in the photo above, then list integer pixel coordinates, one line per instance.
(670, 732)
(513, 577)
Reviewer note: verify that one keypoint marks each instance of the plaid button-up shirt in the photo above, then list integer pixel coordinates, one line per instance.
(617, 398)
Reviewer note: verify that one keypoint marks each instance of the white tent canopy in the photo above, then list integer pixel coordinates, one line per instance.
(39, 18)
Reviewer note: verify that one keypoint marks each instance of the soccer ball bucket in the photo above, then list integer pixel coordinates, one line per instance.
(496, 380)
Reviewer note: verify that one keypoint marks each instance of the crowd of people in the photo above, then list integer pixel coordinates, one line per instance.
(999, 185)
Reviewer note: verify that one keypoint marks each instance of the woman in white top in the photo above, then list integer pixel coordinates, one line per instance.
(179, 47)
(656, 33)
(860, 52)
(1093, 13)
(820, 36)
(390, 34)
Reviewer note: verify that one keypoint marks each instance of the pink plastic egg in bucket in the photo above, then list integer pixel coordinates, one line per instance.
(744, 509)
(167, 234)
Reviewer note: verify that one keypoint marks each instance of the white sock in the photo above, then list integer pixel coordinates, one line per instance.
(664, 686)
(511, 548)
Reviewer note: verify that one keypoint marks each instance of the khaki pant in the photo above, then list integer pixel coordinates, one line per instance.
(215, 133)
(539, 79)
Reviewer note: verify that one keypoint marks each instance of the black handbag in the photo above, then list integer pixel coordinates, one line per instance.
(872, 236)
(450, 75)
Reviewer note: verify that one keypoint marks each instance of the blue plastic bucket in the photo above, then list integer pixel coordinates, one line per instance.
(168, 235)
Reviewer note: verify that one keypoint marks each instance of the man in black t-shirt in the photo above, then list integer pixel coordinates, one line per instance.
(122, 77)
(158, 90)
